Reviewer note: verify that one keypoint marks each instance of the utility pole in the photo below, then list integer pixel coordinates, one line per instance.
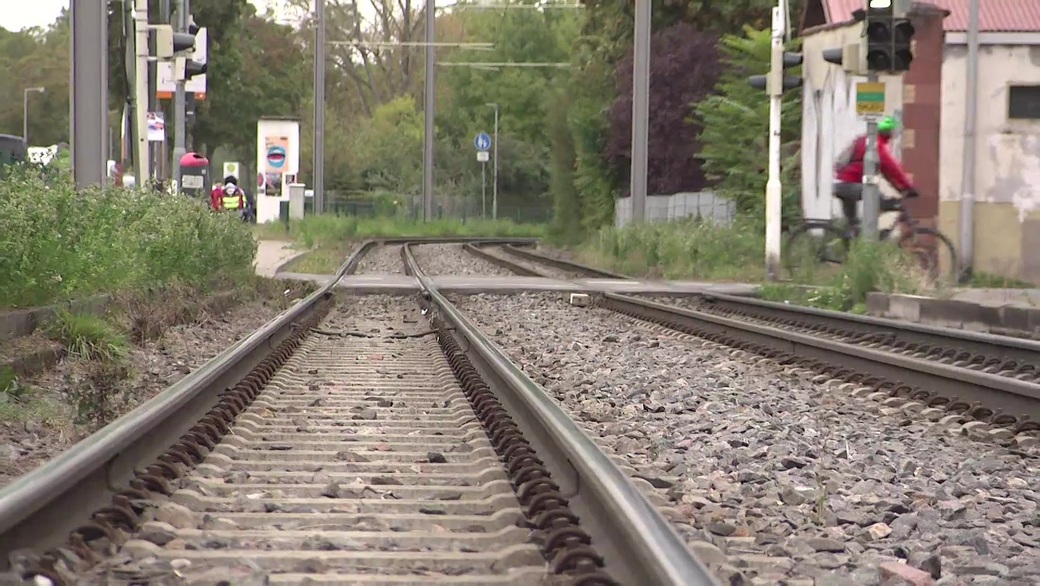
(88, 86)
(776, 83)
(871, 187)
(179, 142)
(142, 167)
(494, 183)
(319, 107)
(640, 110)
(967, 231)
(428, 113)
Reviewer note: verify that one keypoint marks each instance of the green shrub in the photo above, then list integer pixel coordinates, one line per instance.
(333, 231)
(869, 267)
(88, 336)
(686, 249)
(58, 243)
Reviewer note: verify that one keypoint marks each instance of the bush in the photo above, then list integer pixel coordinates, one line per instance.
(88, 336)
(334, 231)
(687, 249)
(57, 243)
(869, 267)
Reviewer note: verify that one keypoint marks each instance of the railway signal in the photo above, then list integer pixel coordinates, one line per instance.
(170, 45)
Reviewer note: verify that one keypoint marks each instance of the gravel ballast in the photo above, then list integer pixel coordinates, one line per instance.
(543, 268)
(452, 259)
(382, 260)
(773, 477)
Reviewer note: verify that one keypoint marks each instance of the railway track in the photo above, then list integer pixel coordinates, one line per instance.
(363, 440)
(990, 385)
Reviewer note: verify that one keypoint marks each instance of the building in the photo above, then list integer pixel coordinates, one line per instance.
(931, 102)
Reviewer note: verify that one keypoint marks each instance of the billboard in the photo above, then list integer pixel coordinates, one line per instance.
(277, 164)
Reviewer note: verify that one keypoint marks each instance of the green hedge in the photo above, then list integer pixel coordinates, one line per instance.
(57, 243)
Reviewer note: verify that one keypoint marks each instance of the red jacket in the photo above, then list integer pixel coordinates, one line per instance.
(890, 167)
(216, 199)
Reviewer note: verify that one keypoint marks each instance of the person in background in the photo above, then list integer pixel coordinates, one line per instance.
(215, 196)
(233, 198)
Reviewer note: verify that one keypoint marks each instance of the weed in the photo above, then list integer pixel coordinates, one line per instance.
(100, 395)
(869, 267)
(331, 231)
(685, 249)
(88, 336)
(60, 243)
(10, 386)
(989, 281)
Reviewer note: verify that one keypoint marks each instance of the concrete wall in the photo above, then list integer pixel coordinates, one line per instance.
(1007, 181)
(661, 208)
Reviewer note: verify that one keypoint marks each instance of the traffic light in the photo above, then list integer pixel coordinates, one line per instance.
(902, 39)
(168, 44)
(776, 81)
(888, 36)
(851, 58)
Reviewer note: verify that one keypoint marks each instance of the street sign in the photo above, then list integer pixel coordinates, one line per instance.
(870, 98)
(482, 156)
(231, 168)
(482, 142)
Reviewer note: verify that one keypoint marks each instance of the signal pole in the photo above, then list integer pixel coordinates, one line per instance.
(179, 144)
(776, 83)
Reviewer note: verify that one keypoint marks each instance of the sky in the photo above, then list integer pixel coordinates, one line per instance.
(18, 15)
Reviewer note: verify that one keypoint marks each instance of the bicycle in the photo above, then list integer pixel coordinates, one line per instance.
(922, 242)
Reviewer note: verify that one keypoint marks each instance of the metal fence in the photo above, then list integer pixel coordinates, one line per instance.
(663, 208)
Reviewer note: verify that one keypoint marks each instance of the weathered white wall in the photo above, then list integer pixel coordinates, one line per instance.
(1008, 151)
(829, 119)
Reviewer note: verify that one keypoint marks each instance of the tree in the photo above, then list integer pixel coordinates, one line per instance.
(683, 69)
(735, 129)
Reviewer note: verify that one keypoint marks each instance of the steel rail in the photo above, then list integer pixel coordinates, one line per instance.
(39, 509)
(1016, 397)
(637, 542)
(566, 265)
(1004, 347)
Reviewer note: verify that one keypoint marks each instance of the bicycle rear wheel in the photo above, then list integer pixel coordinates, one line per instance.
(813, 247)
(932, 249)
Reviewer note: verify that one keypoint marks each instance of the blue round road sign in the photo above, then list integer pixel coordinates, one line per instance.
(482, 141)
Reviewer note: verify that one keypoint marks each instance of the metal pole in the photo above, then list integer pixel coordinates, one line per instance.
(774, 187)
(319, 107)
(967, 224)
(428, 113)
(143, 165)
(483, 190)
(871, 191)
(179, 144)
(89, 89)
(494, 196)
(640, 110)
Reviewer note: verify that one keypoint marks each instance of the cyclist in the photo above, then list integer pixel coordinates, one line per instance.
(848, 172)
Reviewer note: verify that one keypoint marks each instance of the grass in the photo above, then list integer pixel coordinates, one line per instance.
(330, 238)
(57, 243)
(989, 281)
(88, 336)
(869, 267)
(686, 249)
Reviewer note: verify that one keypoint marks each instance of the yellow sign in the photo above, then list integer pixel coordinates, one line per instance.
(870, 98)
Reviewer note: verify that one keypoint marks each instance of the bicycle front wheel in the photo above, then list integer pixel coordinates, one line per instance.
(933, 250)
(811, 248)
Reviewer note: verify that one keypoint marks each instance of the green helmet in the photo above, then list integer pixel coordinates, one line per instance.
(887, 125)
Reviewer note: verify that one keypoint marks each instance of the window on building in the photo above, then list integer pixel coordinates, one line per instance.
(1024, 102)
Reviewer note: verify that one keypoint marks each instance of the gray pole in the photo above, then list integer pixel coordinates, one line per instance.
(319, 107)
(483, 190)
(428, 113)
(494, 196)
(967, 224)
(871, 192)
(640, 109)
(89, 89)
(179, 146)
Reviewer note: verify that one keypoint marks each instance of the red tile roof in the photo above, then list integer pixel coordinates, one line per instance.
(994, 15)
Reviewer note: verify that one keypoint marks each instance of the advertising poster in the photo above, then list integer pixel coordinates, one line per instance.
(277, 159)
(156, 127)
